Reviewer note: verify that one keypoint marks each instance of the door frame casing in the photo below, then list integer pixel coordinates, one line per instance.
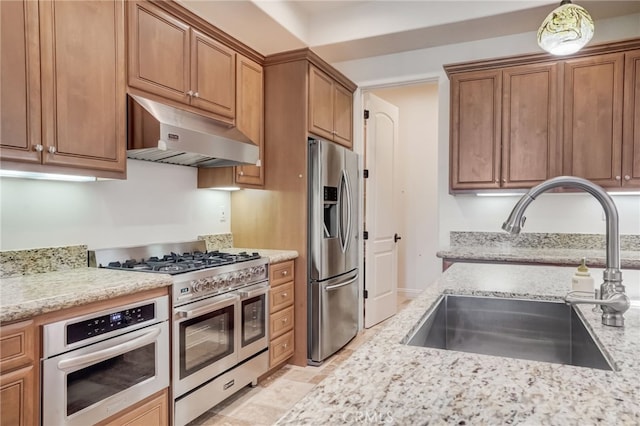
(359, 146)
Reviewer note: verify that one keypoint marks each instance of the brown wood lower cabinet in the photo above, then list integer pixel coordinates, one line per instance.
(18, 372)
(152, 411)
(281, 313)
(281, 349)
(17, 405)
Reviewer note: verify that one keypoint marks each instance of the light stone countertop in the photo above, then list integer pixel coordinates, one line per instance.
(30, 295)
(387, 382)
(274, 256)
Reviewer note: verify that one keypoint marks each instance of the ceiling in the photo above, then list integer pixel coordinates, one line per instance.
(341, 30)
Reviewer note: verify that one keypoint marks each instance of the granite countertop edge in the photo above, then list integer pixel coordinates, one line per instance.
(432, 386)
(26, 296)
(595, 258)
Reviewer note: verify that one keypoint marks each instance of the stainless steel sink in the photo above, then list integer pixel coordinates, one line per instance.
(515, 328)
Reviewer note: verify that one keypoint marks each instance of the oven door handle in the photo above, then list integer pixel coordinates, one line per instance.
(76, 363)
(254, 291)
(210, 307)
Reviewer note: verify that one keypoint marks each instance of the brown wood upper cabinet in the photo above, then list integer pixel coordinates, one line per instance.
(602, 119)
(250, 121)
(330, 108)
(631, 121)
(518, 121)
(504, 127)
(63, 112)
(169, 58)
(593, 96)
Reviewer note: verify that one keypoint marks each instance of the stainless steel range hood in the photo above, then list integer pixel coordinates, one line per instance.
(162, 133)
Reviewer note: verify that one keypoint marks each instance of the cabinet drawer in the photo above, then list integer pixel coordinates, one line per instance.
(281, 348)
(153, 411)
(280, 273)
(281, 297)
(281, 322)
(17, 345)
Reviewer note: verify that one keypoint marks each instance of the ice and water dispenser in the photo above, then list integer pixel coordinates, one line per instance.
(330, 211)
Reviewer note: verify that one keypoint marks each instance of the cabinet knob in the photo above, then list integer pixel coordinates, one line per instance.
(504, 180)
(190, 93)
(52, 149)
(627, 177)
(38, 148)
(284, 273)
(241, 173)
(283, 295)
(284, 320)
(284, 345)
(618, 178)
(197, 95)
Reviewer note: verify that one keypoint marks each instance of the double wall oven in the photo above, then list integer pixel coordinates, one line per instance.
(220, 335)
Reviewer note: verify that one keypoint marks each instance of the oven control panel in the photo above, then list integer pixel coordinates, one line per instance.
(102, 324)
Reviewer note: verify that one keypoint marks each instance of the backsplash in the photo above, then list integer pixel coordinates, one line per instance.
(51, 259)
(35, 261)
(217, 241)
(540, 240)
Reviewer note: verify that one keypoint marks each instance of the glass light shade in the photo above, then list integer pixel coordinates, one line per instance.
(566, 30)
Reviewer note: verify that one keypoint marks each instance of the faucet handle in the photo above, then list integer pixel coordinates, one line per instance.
(596, 295)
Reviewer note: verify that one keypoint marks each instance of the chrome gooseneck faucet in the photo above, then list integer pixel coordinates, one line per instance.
(614, 301)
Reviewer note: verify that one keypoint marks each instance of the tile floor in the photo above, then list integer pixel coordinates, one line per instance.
(276, 394)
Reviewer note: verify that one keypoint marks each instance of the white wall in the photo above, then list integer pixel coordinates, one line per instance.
(550, 213)
(418, 156)
(157, 203)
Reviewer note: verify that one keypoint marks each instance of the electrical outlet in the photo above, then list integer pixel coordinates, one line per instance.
(223, 214)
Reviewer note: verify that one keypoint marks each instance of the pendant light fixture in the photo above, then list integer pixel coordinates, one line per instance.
(566, 29)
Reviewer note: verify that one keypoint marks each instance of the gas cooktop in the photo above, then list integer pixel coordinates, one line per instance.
(164, 258)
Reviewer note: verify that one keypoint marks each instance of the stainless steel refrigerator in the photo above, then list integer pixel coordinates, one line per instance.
(333, 249)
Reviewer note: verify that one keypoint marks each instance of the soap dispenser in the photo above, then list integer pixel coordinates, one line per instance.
(582, 279)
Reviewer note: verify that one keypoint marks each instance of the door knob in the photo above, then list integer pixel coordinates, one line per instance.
(396, 237)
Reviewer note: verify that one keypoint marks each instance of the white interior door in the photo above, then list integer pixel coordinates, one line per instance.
(381, 219)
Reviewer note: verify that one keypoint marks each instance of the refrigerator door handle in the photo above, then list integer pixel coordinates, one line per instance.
(333, 287)
(345, 236)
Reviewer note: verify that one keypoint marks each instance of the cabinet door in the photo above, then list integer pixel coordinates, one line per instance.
(17, 403)
(593, 96)
(213, 75)
(631, 138)
(83, 93)
(159, 54)
(250, 116)
(20, 82)
(343, 116)
(530, 149)
(475, 130)
(321, 103)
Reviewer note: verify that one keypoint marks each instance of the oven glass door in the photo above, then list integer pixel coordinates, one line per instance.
(206, 339)
(254, 320)
(100, 381)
